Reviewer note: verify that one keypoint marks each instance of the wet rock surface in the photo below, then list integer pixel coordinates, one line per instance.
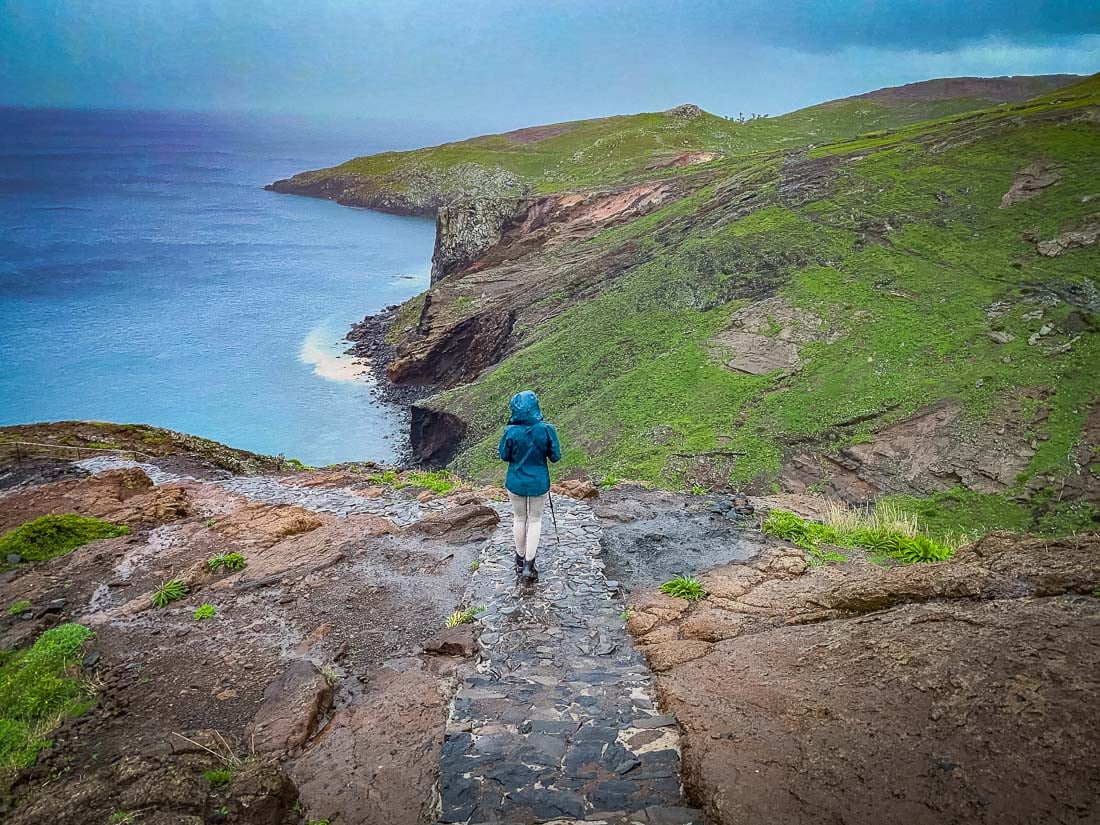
(955, 692)
(333, 589)
(647, 537)
(559, 723)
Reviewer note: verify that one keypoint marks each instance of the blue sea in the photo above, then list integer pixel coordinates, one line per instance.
(146, 276)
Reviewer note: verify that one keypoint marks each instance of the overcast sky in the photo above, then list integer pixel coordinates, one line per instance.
(513, 63)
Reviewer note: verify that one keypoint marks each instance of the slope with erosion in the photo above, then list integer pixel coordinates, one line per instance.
(910, 312)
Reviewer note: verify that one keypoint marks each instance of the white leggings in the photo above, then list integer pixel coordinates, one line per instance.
(527, 523)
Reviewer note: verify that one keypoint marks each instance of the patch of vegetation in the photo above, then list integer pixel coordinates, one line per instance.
(440, 481)
(684, 587)
(205, 611)
(210, 522)
(169, 591)
(21, 606)
(122, 818)
(219, 777)
(38, 688)
(226, 561)
(609, 480)
(885, 535)
(50, 536)
(474, 565)
(626, 615)
(463, 616)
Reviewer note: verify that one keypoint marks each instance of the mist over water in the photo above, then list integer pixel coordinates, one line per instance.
(146, 276)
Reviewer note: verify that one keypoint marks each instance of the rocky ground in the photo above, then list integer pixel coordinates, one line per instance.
(963, 691)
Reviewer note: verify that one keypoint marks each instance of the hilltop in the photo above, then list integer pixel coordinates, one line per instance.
(887, 295)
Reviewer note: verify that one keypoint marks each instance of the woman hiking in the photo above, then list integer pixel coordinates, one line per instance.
(527, 443)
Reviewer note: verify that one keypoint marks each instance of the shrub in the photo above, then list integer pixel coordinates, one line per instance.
(37, 691)
(226, 561)
(21, 606)
(463, 616)
(684, 587)
(168, 592)
(205, 611)
(49, 536)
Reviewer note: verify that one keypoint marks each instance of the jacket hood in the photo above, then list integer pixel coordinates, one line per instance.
(525, 408)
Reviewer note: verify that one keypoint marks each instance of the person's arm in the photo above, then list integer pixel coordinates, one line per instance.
(555, 448)
(505, 449)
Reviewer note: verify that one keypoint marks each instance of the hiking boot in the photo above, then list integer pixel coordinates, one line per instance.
(519, 564)
(529, 573)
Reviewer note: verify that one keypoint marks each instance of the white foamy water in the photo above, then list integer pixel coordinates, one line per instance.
(328, 359)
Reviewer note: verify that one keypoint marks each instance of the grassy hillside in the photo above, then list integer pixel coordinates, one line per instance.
(564, 156)
(902, 260)
(863, 245)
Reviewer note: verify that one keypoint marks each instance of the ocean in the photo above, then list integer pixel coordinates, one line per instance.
(147, 277)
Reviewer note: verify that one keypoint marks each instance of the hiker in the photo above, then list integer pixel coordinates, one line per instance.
(526, 444)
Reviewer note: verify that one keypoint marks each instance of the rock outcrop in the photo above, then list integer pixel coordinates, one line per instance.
(863, 692)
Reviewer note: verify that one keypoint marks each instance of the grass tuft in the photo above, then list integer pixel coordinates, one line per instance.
(463, 616)
(50, 536)
(168, 592)
(886, 533)
(205, 611)
(21, 606)
(684, 587)
(226, 561)
(219, 777)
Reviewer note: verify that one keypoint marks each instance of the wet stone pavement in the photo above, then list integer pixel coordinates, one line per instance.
(560, 723)
(339, 501)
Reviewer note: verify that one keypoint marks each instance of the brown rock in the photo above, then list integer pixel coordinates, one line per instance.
(375, 762)
(1074, 239)
(266, 523)
(453, 641)
(926, 714)
(665, 655)
(578, 488)
(292, 705)
(458, 523)
(261, 794)
(711, 625)
(1030, 181)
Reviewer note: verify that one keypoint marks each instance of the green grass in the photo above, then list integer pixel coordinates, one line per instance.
(38, 688)
(169, 591)
(684, 587)
(463, 616)
(218, 778)
(205, 611)
(226, 561)
(439, 481)
(474, 565)
(882, 541)
(122, 818)
(50, 536)
(17, 607)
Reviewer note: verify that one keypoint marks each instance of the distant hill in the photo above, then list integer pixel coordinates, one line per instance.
(891, 295)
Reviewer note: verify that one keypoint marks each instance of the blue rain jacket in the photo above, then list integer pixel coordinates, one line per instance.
(526, 444)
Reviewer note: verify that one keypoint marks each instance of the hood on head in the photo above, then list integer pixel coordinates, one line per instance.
(525, 408)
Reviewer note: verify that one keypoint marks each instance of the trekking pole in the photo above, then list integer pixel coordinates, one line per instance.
(554, 518)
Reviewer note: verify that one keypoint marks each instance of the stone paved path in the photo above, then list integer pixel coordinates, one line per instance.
(560, 722)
